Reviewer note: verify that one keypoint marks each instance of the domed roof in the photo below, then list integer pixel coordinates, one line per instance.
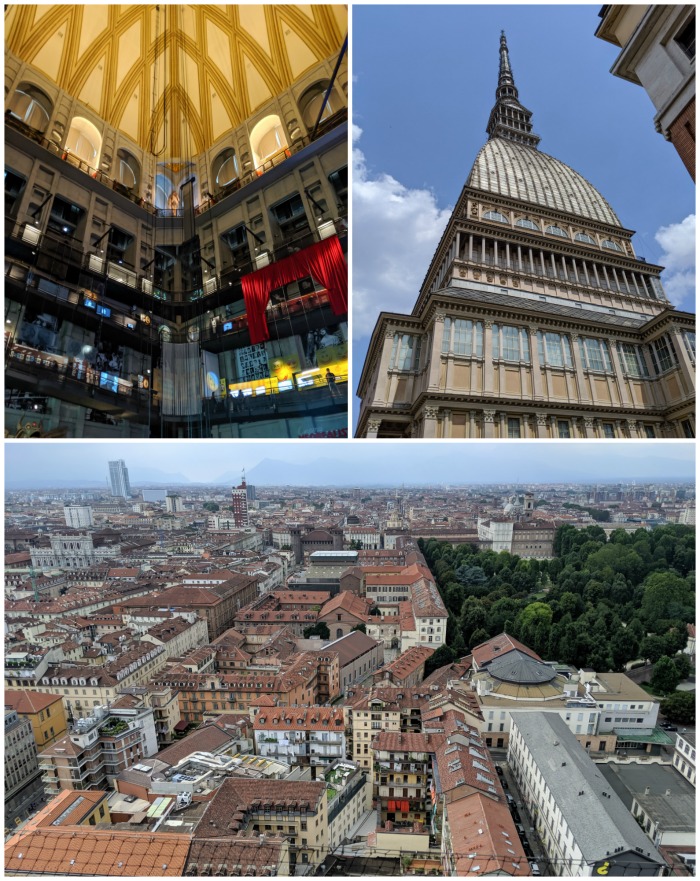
(520, 668)
(506, 168)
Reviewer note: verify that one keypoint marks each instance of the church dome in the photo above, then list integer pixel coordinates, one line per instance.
(518, 668)
(516, 171)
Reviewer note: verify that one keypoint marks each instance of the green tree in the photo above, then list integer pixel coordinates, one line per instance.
(318, 629)
(442, 656)
(665, 677)
(361, 627)
(683, 666)
(477, 637)
(355, 545)
(652, 648)
(667, 597)
(680, 707)
(211, 506)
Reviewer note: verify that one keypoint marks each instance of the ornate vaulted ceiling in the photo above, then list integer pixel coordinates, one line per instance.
(174, 78)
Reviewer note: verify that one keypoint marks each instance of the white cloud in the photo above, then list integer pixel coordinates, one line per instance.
(678, 242)
(395, 233)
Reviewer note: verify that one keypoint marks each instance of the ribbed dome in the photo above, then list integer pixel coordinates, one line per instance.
(519, 668)
(515, 171)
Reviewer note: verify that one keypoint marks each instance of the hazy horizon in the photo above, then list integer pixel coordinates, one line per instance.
(346, 463)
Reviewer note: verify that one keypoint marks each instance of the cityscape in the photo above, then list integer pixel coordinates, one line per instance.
(286, 679)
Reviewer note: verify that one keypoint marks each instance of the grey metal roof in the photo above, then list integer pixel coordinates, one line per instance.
(520, 172)
(518, 667)
(675, 811)
(600, 823)
(515, 302)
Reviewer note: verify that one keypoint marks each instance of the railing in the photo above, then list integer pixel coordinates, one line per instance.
(273, 161)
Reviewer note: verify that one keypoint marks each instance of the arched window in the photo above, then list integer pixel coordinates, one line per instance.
(225, 167)
(526, 223)
(584, 237)
(129, 170)
(311, 100)
(32, 106)
(610, 245)
(164, 188)
(267, 138)
(495, 215)
(84, 141)
(554, 230)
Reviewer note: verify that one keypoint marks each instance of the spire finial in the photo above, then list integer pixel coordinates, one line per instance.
(509, 119)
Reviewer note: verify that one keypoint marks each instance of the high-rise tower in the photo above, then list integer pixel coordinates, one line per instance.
(239, 503)
(119, 479)
(535, 318)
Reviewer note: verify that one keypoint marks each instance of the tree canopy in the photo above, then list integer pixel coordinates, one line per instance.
(599, 602)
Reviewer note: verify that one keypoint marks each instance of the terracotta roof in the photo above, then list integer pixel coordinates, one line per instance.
(497, 647)
(83, 802)
(407, 622)
(30, 701)
(237, 796)
(71, 850)
(211, 738)
(348, 602)
(237, 857)
(408, 662)
(401, 742)
(351, 646)
(300, 719)
(484, 828)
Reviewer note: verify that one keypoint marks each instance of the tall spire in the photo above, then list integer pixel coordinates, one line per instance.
(509, 119)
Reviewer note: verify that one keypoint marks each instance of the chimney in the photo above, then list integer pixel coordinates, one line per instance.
(647, 790)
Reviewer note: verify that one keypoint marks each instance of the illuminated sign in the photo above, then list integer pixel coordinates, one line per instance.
(228, 325)
(104, 310)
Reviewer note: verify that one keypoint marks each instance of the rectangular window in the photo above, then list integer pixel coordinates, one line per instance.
(595, 354)
(447, 329)
(687, 428)
(649, 431)
(513, 427)
(405, 352)
(608, 429)
(554, 349)
(463, 337)
(564, 428)
(689, 343)
(663, 354)
(686, 39)
(632, 360)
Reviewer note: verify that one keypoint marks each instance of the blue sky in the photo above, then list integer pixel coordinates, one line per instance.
(424, 80)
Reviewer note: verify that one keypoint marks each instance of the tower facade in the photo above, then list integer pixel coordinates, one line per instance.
(119, 479)
(239, 504)
(78, 516)
(536, 318)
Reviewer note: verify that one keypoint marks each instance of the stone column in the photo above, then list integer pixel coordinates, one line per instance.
(488, 357)
(472, 424)
(503, 427)
(373, 427)
(436, 351)
(489, 417)
(687, 367)
(619, 432)
(536, 366)
(381, 394)
(447, 423)
(541, 424)
(619, 375)
(633, 428)
(583, 395)
(430, 415)
(588, 425)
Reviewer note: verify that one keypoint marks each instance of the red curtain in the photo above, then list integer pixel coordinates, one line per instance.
(324, 262)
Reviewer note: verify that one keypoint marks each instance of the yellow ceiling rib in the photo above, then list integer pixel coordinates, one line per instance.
(278, 42)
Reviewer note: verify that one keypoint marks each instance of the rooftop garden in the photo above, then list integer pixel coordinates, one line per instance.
(114, 727)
